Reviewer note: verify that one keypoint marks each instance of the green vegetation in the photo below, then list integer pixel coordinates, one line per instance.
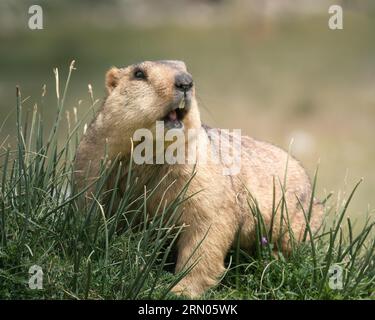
(276, 78)
(86, 256)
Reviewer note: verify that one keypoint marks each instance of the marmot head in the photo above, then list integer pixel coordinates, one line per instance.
(150, 91)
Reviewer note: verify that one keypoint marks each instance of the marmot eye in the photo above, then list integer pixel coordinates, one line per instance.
(139, 74)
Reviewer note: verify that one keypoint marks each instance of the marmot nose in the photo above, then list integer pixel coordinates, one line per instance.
(183, 82)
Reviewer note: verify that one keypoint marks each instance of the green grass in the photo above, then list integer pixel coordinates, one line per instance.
(87, 255)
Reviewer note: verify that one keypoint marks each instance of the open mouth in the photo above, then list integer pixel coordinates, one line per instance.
(175, 117)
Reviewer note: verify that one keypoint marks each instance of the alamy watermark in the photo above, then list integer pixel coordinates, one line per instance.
(336, 20)
(36, 277)
(192, 146)
(335, 277)
(36, 17)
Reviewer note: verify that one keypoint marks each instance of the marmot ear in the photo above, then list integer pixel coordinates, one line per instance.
(112, 79)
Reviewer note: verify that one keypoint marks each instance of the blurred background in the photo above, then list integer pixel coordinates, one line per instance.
(272, 68)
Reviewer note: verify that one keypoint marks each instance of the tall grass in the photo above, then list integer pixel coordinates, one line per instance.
(86, 254)
(81, 253)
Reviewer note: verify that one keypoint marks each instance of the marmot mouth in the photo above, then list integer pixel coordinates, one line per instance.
(175, 117)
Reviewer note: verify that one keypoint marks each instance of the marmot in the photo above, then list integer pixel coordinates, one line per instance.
(143, 93)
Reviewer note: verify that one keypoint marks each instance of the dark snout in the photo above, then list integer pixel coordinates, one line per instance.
(183, 82)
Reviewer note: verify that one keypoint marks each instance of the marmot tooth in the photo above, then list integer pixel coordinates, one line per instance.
(182, 104)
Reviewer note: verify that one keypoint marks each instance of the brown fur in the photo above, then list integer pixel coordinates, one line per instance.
(220, 209)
